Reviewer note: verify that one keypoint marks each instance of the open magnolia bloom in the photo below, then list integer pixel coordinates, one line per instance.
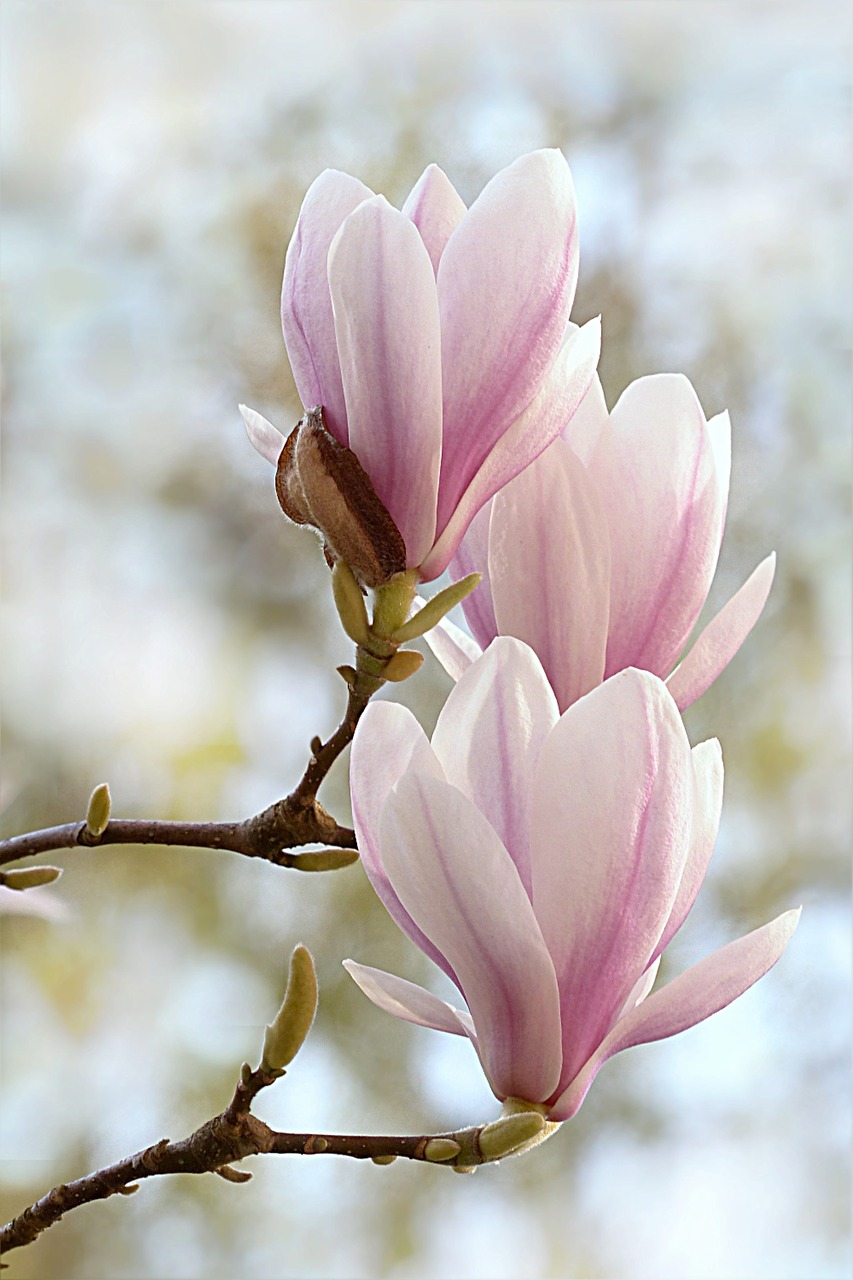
(602, 553)
(544, 862)
(437, 339)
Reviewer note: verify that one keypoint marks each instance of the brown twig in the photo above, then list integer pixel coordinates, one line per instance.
(296, 820)
(231, 1136)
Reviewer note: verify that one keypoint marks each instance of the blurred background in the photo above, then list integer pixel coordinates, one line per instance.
(166, 631)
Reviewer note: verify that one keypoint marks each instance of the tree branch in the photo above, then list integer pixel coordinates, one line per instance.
(296, 820)
(235, 1134)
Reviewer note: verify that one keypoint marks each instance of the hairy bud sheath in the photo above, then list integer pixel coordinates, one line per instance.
(321, 483)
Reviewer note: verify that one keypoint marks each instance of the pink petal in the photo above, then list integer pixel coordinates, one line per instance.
(659, 479)
(723, 636)
(440, 853)
(436, 208)
(306, 305)
(387, 742)
(489, 735)
(408, 1001)
(641, 988)
(612, 819)
(528, 436)
(453, 647)
(549, 567)
(708, 775)
(695, 995)
(506, 282)
(263, 436)
(472, 556)
(386, 324)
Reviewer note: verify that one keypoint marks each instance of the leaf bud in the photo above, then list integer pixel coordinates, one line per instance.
(98, 813)
(287, 1032)
(323, 859)
(29, 877)
(389, 1159)
(349, 602)
(438, 1149)
(504, 1136)
(402, 665)
(436, 608)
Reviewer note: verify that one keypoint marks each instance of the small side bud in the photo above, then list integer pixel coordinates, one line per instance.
(347, 673)
(323, 860)
(230, 1174)
(349, 602)
(506, 1135)
(286, 1034)
(383, 1159)
(246, 1073)
(29, 877)
(464, 1168)
(98, 813)
(402, 665)
(129, 1190)
(436, 608)
(439, 1149)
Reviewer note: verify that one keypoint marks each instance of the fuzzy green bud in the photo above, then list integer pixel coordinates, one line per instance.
(349, 602)
(287, 1032)
(508, 1134)
(98, 813)
(436, 608)
(29, 877)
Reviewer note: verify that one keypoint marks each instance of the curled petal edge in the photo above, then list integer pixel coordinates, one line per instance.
(704, 989)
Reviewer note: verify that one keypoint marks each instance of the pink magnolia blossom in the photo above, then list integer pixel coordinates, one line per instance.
(437, 339)
(544, 862)
(601, 554)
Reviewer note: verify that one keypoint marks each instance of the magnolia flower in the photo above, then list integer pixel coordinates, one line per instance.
(544, 862)
(601, 554)
(436, 339)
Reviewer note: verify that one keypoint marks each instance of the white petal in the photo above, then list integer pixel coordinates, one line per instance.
(263, 436)
(408, 1001)
(718, 643)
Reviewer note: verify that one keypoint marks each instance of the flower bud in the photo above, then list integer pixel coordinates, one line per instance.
(29, 877)
(322, 483)
(98, 813)
(287, 1032)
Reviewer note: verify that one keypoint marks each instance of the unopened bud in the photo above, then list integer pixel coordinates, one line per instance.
(464, 1168)
(402, 665)
(389, 1159)
(438, 1149)
(347, 673)
(29, 877)
(323, 859)
(436, 608)
(322, 483)
(286, 1034)
(98, 813)
(230, 1174)
(506, 1135)
(349, 601)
